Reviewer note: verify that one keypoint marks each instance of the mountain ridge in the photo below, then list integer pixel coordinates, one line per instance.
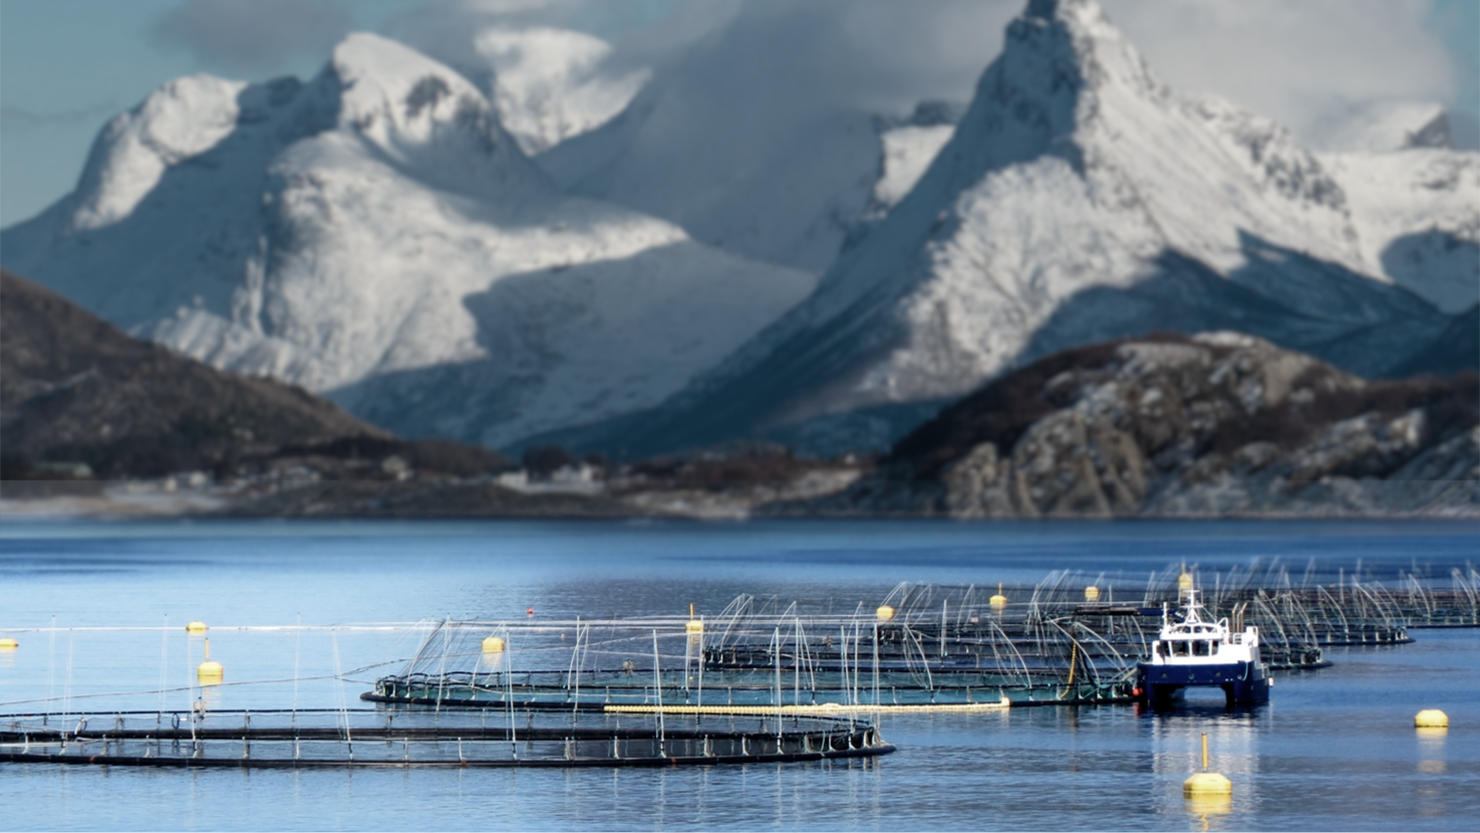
(1073, 171)
(373, 230)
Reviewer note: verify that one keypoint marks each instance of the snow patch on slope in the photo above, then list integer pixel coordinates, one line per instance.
(908, 152)
(551, 84)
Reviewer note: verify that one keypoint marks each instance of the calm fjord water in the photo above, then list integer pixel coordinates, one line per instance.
(1334, 750)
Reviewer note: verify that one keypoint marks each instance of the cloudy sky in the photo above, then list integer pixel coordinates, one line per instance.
(66, 66)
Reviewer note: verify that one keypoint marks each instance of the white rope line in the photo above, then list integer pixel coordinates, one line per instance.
(346, 676)
(157, 628)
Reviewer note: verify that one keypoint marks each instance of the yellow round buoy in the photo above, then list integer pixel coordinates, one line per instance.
(209, 672)
(1184, 581)
(1431, 719)
(1203, 784)
(998, 600)
(493, 645)
(1207, 783)
(9, 644)
(195, 627)
(693, 626)
(1092, 593)
(885, 613)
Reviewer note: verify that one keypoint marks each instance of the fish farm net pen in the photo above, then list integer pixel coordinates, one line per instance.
(426, 738)
(1071, 638)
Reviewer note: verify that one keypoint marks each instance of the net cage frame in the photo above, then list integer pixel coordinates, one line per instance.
(410, 737)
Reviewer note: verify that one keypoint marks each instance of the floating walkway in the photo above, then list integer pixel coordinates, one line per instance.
(821, 709)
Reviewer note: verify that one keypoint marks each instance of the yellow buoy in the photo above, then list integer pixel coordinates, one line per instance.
(1091, 593)
(1431, 719)
(209, 672)
(195, 627)
(1184, 581)
(885, 613)
(1206, 783)
(9, 644)
(998, 600)
(493, 645)
(693, 626)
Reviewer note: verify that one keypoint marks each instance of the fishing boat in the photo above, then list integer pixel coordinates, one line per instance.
(1193, 652)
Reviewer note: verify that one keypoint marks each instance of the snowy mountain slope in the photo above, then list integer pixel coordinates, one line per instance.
(1414, 203)
(1075, 174)
(377, 223)
(1417, 215)
(738, 171)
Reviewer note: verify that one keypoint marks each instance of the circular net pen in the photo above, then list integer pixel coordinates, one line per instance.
(380, 738)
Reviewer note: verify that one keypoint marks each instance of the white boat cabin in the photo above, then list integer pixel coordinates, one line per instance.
(1193, 641)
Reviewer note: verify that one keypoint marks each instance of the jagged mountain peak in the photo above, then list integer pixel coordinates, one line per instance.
(425, 115)
(387, 86)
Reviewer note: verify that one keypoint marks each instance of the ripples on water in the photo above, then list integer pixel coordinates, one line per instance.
(1335, 749)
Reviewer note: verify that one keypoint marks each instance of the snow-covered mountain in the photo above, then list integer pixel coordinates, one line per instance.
(370, 232)
(1078, 200)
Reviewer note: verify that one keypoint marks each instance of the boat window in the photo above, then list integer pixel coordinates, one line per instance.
(1161, 649)
(1201, 648)
(1179, 648)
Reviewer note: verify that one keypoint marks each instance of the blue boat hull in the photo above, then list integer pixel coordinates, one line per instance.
(1243, 683)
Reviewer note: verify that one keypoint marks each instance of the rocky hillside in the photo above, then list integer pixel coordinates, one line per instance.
(1216, 424)
(72, 387)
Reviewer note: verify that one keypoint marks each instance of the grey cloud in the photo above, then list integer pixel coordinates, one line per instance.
(1296, 62)
(252, 35)
(1303, 64)
(871, 54)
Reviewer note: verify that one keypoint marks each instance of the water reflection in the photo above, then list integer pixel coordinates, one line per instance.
(1431, 750)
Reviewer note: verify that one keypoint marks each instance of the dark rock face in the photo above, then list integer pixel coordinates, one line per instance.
(74, 387)
(1216, 424)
